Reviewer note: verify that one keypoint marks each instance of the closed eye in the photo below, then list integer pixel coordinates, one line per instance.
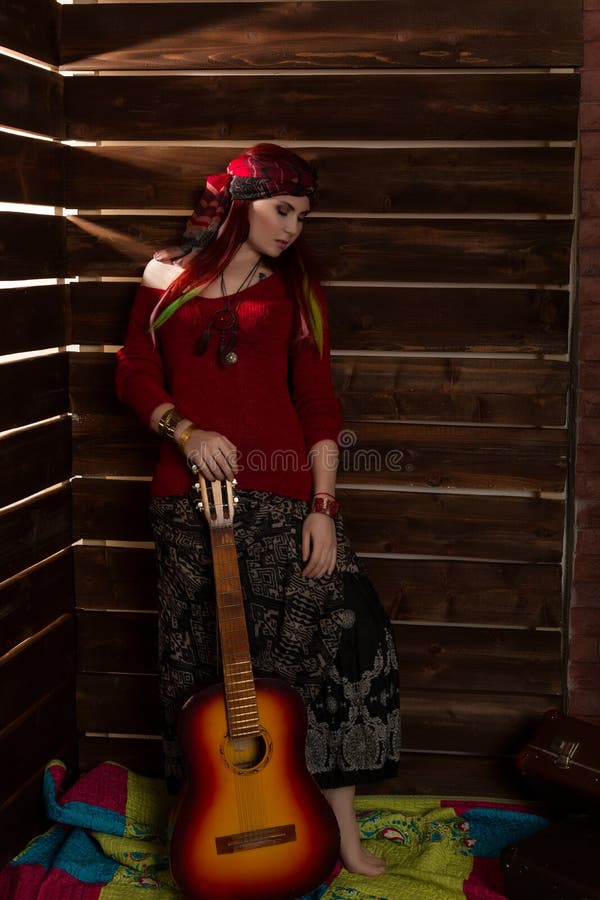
(285, 210)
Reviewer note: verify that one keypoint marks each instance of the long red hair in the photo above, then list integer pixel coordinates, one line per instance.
(293, 265)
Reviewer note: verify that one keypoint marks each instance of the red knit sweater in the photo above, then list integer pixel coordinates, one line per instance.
(274, 404)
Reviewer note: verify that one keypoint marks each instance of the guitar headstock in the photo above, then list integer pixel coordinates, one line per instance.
(218, 499)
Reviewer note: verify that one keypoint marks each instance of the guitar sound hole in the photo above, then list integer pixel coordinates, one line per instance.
(246, 753)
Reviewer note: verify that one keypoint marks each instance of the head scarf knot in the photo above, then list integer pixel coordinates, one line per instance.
(265, 170)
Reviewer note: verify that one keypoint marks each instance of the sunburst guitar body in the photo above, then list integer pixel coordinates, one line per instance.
(250, 822)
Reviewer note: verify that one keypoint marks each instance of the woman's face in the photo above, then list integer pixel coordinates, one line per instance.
(275, 223)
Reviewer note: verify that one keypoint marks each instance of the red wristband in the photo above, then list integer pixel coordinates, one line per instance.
(329, 507)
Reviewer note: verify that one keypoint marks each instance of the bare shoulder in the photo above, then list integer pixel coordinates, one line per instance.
(160, 275)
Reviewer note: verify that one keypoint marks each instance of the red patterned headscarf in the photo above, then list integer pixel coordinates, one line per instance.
(265, 170)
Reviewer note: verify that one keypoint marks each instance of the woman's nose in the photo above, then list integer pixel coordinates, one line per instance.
(292, 226)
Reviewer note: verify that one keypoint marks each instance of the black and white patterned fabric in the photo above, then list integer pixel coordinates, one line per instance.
(328, 637)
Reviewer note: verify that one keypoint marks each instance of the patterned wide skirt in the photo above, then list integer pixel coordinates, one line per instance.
(328, 637)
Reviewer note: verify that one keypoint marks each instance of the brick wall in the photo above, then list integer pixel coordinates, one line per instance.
(584, 665)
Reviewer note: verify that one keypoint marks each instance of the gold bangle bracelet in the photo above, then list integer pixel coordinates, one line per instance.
(184, 436)
(169, 422)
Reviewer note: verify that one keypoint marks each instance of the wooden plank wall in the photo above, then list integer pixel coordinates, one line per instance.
(584, 624)
(446, 138)
(37, 633)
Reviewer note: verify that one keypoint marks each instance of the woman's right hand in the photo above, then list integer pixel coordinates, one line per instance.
(215, 455)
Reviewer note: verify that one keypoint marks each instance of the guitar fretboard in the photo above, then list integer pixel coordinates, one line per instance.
(240, 692)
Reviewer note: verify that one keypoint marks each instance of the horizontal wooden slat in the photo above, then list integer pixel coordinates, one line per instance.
(462, 659)
(430, 657)
(452, 319)
(34, 389)
(410, 589)
(44, 238)
(429, 774)
(470, 723)
(445, 721)
(137, 712)
(31, 171)
(34, 318)
(124, 445)
(34, 531)
(468, 592)
(32, 98)
(30, 27)
(34, 601)
(142, 755)
(35, 459)
(419, 179)
(100, 311)
(117, 642)
(305, 35)
(432, 774)
(37, 737)
(442, 775)
(473, 251)
(384, 318)
(372, 453)
(497, 391)
(435, 456)
(488, 527)
(540, 106)
(92, 385)
(38, 668)
(438, 524)
(104, 506)
(115, 578)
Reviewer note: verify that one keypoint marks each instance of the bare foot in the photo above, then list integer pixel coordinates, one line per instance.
(355, 857)
(363, 863)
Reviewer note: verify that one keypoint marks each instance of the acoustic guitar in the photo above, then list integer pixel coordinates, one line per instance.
(250, 822)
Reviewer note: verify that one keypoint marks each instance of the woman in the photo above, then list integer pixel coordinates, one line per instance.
(227, 357)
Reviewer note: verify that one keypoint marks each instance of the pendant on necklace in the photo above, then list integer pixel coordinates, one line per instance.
(225, 322)
(226, 353)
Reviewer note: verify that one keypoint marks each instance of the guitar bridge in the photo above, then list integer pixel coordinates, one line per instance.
(251, 840)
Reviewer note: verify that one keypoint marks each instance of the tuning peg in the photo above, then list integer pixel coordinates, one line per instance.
(196, 487)
(199, 505)
(234, 482)
(236, 499)
(195, 469)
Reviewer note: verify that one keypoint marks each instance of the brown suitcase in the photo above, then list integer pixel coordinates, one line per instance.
(563, 759)
(558, 863)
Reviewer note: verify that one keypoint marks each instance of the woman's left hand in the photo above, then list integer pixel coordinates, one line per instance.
(319, 545)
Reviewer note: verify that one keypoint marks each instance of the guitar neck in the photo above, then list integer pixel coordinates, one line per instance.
(238, 678)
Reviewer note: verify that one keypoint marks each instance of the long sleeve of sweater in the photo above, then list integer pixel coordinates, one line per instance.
(312, 393)
(140, 377)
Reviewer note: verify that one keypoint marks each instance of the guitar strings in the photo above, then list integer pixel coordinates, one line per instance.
(242, 709)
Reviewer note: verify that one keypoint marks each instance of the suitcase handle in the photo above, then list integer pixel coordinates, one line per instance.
(565, 751)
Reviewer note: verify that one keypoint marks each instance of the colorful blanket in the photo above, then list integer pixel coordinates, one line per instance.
(108, 843)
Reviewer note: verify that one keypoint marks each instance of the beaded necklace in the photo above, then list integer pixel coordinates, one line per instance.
(225, 323)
